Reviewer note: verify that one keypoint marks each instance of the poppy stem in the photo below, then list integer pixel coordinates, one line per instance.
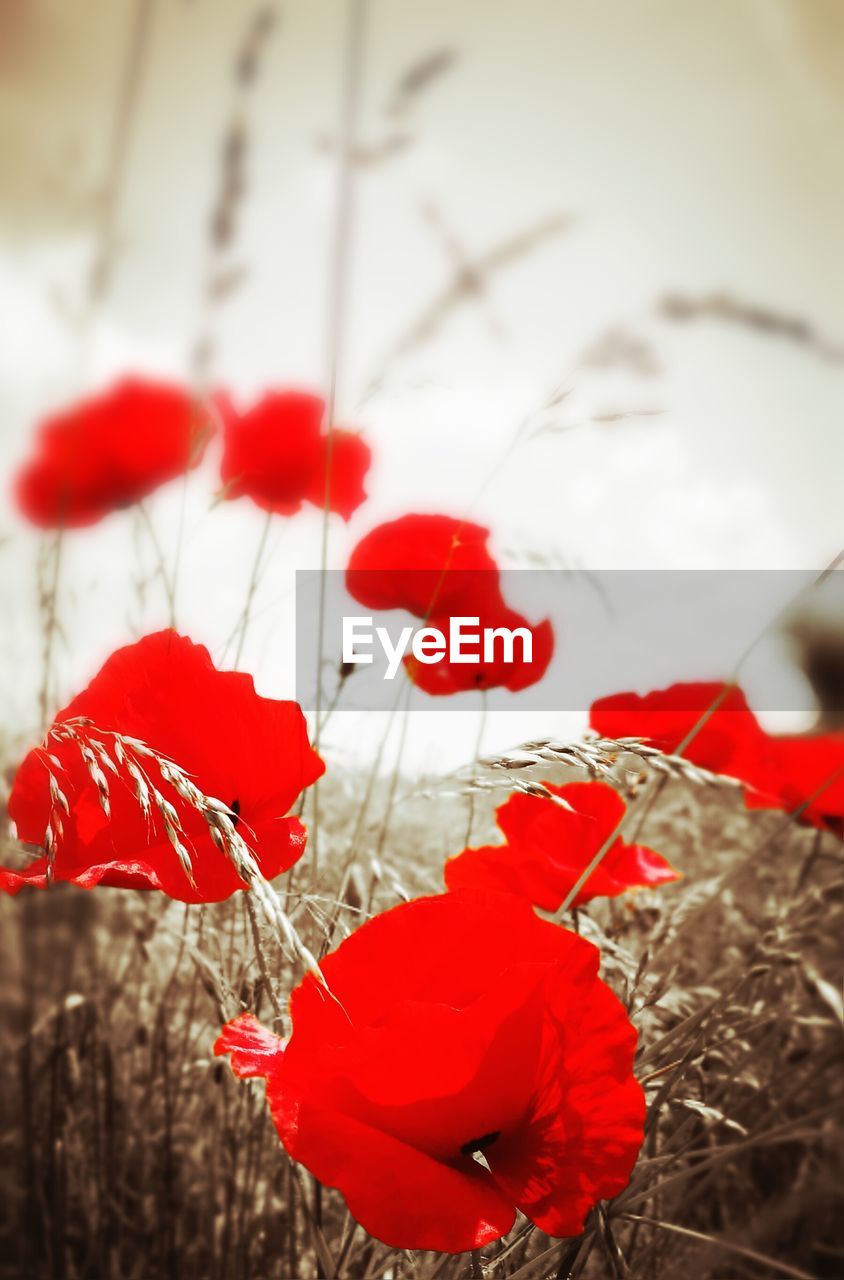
(50, 602)
(177, 555)
(477, 1265)
(243, 623)
(578, 1248)
(372, 779)
(159, 554)
(396, 774)
(470, 821)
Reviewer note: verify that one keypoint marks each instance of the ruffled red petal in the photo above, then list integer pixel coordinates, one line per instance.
(12, 880)
(811, 768)
(424, 1055)
(583, 1131)
(548, 847)
(504, 868)
(250, 752)
(729, 736)
(437, 567)
(444, 677)
(254, 1051)
(399, 1194)
(368, 985)
(425, 564)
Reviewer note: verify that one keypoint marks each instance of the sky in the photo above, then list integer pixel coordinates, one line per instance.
(685, 150)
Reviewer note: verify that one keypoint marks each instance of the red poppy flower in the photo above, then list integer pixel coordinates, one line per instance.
(779, 771)
(550, 845)
(462, 1025)
(446, 677)
(109, 451)
(277, 454)
(731, 736)
(249, 752)
(437, 567)
(810, 767)
(425, 564)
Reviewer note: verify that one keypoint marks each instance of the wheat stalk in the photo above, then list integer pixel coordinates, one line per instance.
(106, 752)
(599, 757)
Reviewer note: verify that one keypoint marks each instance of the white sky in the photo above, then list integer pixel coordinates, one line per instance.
(698, 146)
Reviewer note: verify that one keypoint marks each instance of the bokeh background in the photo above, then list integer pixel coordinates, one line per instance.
(636, 204)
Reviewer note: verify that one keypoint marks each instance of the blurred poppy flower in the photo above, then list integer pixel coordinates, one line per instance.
(250, 753)
(472, 1062)
(549, 845)
(810, 773)
(446, 677)
(277, 454)
(426, 564)
(730, 736)
(437, 567)
(779, 771)
(109, 451)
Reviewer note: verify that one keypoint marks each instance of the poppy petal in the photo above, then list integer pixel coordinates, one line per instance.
(425, 564)
(503, 868)
(428, 1056)
(276, 453)
(249, 752)
(35, 875)
(253, 1050)
(398, 1193)
(109, 451)
(437, 568)
(778, 771)
(578, 1145)
(444, 677)
(350, 460)
(549, 846)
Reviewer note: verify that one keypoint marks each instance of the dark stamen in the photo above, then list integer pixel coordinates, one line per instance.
(235, 808)
(479, 1144)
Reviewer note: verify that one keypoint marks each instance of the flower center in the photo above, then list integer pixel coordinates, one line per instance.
(235, 808)
(477, 1145)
